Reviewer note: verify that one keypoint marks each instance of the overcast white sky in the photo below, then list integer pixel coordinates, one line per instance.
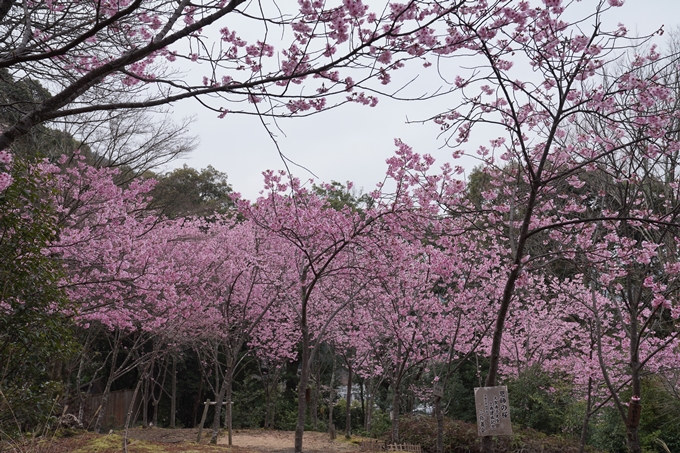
(351, 143)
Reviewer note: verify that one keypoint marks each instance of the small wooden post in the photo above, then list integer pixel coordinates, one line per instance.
(228, 417)
(205, 414)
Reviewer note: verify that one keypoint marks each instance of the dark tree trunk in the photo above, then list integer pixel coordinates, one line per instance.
(396, 398)
(224, 391)
(586, 418)
(302, 390)
(440, 423)
(107, 388)
(348, 415)
(228, 420)
(173, 394)
(363, 403)
(145, 402)
(314, 410)
(331, 398)
(197, 402)
(131, 409)
(369, 405)
(632, 435)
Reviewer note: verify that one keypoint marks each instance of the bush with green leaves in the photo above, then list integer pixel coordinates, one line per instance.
(541, 401)
(36, 338)
(660, 419)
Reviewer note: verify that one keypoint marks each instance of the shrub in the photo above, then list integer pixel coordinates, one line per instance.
(462, 437)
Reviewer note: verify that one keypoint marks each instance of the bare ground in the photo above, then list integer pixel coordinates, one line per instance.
(252, 440)
(284, 442)
(161, 440)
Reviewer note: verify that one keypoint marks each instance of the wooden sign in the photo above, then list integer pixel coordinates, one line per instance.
(634, 412)
(493, 411)
(438, 390)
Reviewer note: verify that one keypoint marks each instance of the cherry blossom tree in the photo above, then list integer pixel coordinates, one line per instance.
(540, 155)
(247, 274)
(575, 222)
(122, 266)
(331, 249)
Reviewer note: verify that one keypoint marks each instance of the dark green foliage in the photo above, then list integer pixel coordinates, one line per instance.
(190, 393)
(19, 96)
(660, 415)
(188, 192)
(340, 196)
(458, 436)
(539, 401)
(607, 431)
(459, 393)
(340, 412)
(478, 182)
(462, 437)
(660, 419)
(35, 337)
(248, 403)
(380, 424)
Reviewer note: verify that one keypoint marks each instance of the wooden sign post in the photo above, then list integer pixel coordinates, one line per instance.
(493, 411)
(205, 414)
(438, 390)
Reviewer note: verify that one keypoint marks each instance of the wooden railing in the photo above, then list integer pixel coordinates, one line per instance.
(411, 448)
(377, 445)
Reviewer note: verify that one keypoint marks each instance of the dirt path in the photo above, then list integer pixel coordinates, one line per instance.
(284, 442)
(251, 440)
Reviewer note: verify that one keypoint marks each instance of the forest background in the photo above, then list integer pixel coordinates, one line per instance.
(553, 268)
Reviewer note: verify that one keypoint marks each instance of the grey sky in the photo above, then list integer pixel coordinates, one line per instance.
(352, 142)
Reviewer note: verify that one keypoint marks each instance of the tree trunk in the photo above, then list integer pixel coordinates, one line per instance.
(331, 398)
(107, 388)
(272, 397)
(369, 412)
(145, 403)
(632, 435)
(314, 411)
(633, 439)
(130, 411)
(440, 423)
(102, 407)
(395, 412)
(268, 407)
(226, 388)
(302, 389)
(197, 402)
(586, 418)
(348, 415)
(228, 420)
(79, 375)
(274, 403)
(363, 402)
(371, 389)
(154, 417)
(81, 396)
(219, 399)
(160, 383)
(173, 394)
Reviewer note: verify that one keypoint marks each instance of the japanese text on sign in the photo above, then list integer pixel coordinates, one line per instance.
(493, 411)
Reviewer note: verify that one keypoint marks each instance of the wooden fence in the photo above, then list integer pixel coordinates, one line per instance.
(377, 445)
(411, 448)
(372, 445)
(116, 408)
